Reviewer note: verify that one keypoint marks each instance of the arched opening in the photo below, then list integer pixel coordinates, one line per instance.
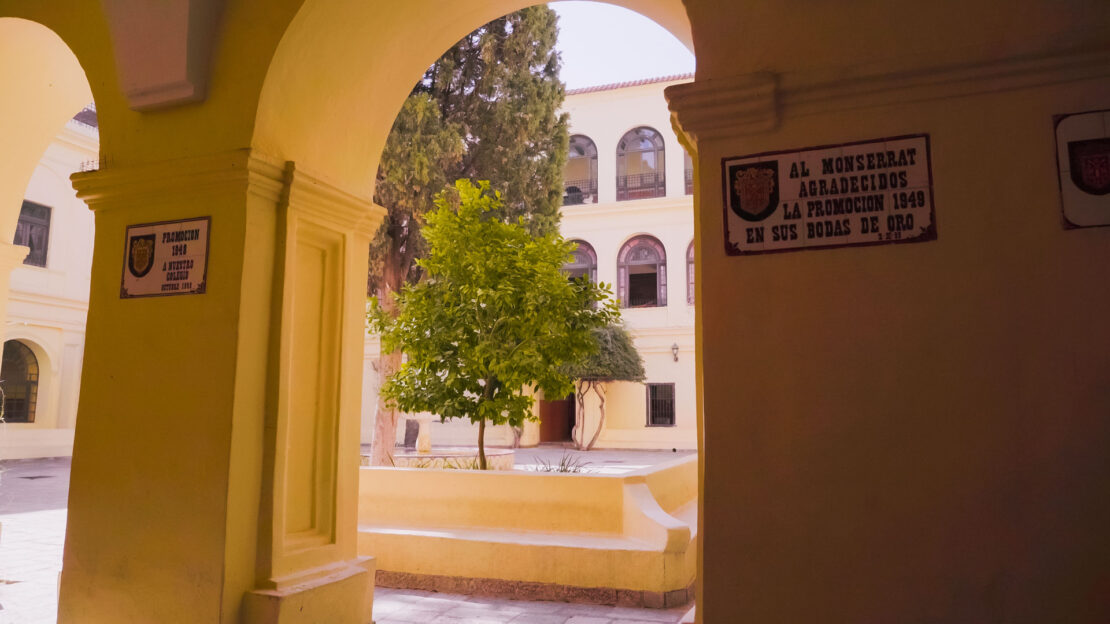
(583, 263)
(688, 172)
(19, 379)
(642, 273)
(580, 174)
(641, 165)
(344, 145)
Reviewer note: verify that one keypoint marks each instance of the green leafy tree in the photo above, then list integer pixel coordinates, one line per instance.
(615, 359)
(494, 316)
(487, 109)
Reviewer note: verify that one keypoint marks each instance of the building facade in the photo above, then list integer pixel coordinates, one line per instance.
(629, 206)
(44, 337)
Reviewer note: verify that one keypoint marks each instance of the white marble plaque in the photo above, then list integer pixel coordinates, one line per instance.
(165, 258)
(1083, 159)
(863, 193)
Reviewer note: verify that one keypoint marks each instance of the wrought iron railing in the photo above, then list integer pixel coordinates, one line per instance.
(641, 186)
(579, 192)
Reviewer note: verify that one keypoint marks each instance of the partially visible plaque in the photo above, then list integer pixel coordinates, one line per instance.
(1083, 161)
(165, 258)
(864, 193)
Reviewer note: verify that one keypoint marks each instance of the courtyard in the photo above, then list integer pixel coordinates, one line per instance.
(33, 496)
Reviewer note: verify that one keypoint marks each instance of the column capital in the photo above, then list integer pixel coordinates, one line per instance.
(724, 107)
(326, 203)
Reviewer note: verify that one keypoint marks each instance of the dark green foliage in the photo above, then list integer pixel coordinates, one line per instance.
(616, 358)
(497, 92)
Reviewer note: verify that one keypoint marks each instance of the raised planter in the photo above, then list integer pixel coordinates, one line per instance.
(457, 457)
(615, 539)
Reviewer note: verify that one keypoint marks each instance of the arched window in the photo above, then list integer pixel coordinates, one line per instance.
(580, 175)
(642, 273)
(583, 263)
(19, 377)
(690, 274)
(640, 160)
(688, 172)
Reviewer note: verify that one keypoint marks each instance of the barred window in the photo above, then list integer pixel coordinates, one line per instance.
(580, 175)
(642, 273)
(688, 173)
(33, 230)
(584, 262)
(640, 165)
(690, 274)
(19, 378)
(660, 404)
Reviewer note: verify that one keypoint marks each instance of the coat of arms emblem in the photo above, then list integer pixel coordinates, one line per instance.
(753, 190)
(1090, 165)
(140, 255)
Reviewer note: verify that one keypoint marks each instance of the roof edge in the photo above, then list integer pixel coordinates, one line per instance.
(630, 83)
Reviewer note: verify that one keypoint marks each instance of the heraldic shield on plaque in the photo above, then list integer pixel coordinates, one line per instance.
(1083, 159)
(140, 258)
(870, 192)
(754, 188)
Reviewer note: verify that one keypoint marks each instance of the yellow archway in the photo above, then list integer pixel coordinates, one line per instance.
(343, 68)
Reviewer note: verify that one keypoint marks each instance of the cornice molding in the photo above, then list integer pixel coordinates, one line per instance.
(195, 177)
(814, 93)
(755, 103)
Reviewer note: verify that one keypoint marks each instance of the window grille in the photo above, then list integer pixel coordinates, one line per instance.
(688, 173)
(19, 377)
(660, 404)
(583, 262)
(641, 173)
(580, 175)
(690, 274)
(642, 273)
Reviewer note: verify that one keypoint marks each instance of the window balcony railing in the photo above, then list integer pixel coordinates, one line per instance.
(641, 186)
(689, 181)
(579, 192)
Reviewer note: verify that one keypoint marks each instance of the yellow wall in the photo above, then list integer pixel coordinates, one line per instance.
(913, 432)
(895, 433)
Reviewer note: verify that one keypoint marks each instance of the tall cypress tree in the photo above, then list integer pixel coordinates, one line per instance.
(486, 110)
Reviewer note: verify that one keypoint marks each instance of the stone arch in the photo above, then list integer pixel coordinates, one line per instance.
(40, 67)
(342, 137)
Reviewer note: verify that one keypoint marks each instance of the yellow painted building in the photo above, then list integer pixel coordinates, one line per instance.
(894, 432)
(44, 338)
(614, 127)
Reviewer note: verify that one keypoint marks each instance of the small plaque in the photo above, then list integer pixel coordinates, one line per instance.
(165, 258)
(863, 193)
(1083, 162)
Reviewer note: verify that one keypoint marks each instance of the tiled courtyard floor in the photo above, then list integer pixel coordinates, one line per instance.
(33, 496)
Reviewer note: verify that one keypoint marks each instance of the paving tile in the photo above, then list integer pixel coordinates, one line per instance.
(539, 618)
(583, 619)
(33, 514)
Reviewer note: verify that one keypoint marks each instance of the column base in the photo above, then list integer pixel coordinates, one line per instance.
(342, 595)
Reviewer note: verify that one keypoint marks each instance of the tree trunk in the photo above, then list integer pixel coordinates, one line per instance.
(482, 444)
(578, 434)
(385, 421)
(601, 421)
